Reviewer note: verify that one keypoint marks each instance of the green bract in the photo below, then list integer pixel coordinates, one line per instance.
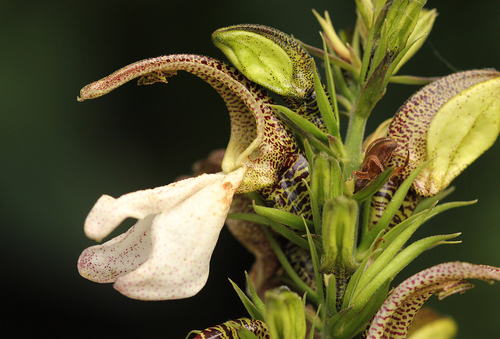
(401, 19)
(419, 35)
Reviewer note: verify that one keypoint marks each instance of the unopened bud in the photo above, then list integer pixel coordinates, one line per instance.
(401, 18)
(268, 57)
(285, 314)
(339, 225)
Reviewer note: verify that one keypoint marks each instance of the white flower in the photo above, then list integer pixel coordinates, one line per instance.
(166, 254)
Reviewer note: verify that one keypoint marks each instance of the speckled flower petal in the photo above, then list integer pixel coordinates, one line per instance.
(453, 120)
(109, 212)
(166, 254)
(258, 139)
(397, 312)
(119, 256)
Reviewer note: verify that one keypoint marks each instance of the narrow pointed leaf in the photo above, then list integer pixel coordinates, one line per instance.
(283, 217)
(249, 305)
(259, 304)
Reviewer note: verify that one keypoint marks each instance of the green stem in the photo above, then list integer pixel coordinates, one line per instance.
(354, 140)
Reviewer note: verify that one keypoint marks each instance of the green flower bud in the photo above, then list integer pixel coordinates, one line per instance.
(401, 19)
(268, 57)
(339, 224)
(285, 314)
(419, 35)
(326, 180)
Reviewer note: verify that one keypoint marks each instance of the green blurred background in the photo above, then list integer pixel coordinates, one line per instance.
(58, 156)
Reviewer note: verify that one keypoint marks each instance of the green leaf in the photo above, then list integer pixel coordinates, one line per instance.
(259, 304)
(331, 296)
(313, 141)
(428, 202)
(283, 217)
(411, 79)
(400, 261)
(314, 323)
(388, 254)
(249, 305)
(251, 217)
(330, 84)
(325, 108)
(315, 260)
(315, 210)
(303, 123)
(261, 220)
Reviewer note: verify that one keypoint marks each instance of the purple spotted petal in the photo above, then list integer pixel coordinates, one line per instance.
(164, 255)
(109, 212)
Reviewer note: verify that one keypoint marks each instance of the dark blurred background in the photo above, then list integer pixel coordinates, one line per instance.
(57, 156)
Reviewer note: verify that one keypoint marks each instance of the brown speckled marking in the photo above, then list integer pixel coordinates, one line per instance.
(397, 312)
(303, 99)
(278, 169)
(409, 126)
(246, 101)
(228, 330)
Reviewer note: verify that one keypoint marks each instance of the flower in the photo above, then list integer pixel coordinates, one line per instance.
(166, 254)
(453, 121)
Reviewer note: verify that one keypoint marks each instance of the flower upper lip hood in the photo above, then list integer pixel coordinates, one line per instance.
(396, 313)
(166, 254)
(447, 122)
(258, 139)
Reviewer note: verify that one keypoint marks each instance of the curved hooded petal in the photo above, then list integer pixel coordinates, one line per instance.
(166, 254)
(453, 121)
(397, 312)
(258, 139)
(260, 146)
